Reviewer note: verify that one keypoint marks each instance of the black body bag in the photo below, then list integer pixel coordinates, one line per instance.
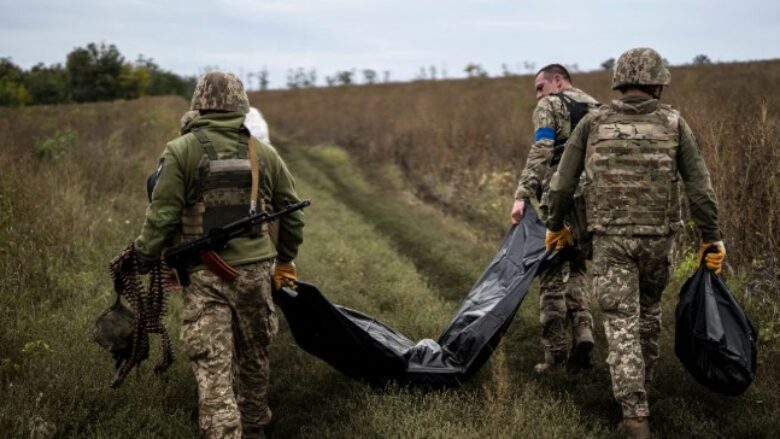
(363, 348)
(714, 339)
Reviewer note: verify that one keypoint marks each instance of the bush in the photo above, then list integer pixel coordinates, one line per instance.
(55, 146)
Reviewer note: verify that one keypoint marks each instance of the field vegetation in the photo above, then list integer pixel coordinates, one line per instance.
(462, 143)
(399, 233)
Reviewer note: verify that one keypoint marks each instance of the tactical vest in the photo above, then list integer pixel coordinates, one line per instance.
(225, 188)
(632, 180)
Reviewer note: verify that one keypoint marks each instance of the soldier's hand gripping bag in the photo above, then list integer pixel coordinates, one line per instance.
(714, 339)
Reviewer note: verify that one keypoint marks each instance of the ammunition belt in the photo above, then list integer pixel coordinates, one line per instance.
(149, 308)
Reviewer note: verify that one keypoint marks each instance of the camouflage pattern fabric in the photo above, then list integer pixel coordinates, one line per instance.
(629, 275)
(630, 270)
(688, 163)
(640, 66)
(563, 302)
(631, 165)
(178, 192)
(563, 296)
(220, 91)
(550, 112)
(226, 328)
(225, 183)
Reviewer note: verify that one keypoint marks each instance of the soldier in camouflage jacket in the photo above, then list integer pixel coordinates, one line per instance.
(633, 152)
(563, 296)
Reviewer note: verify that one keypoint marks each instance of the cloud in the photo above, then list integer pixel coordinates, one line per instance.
(522, 25)
(399, 35)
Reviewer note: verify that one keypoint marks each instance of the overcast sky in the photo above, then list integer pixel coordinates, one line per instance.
(399, 35)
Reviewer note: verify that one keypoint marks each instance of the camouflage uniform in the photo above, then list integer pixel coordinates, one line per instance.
(226, 329)
(226, 326)
(632, 152)
(563, 297)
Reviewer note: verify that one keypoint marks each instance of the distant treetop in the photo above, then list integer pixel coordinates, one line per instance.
(91, 73)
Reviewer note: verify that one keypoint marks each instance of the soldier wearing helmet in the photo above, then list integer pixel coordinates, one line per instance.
(213, 174)
(633, 152)
(563, 292)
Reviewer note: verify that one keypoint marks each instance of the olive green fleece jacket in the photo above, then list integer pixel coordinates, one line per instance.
(691, 166)
(177, 187)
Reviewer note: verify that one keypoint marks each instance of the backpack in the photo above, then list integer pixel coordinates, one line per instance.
(577, 110)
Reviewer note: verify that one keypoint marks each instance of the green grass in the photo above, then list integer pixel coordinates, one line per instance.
(680, 407)
(450, 254)
(369, 245)
(358, 264)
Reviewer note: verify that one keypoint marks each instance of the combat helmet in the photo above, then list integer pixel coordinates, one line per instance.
(114, 330)
(220, 91)
(640, 66)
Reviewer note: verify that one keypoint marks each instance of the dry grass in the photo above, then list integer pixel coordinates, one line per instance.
(67, 211)
(509, 391)
(72, 194)
(462, 143)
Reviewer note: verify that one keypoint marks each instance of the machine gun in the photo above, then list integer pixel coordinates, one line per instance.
(204, 249)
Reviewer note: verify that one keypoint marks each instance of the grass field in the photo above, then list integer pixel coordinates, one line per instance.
(462, 143)
(72, 194)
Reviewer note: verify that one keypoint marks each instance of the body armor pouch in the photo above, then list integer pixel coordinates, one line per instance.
(632, 168)
(227, 187)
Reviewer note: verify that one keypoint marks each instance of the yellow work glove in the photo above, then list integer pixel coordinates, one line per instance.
(285, 275)
(558, 240)
(713, 261)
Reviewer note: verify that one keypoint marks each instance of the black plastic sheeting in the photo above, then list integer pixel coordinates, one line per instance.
(364, 348)
(714, 339)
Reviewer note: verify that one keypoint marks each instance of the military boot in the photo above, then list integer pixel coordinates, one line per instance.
(554, 363)
(634, 428)
(583, 344)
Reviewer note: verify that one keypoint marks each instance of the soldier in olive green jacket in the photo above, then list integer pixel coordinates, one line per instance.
(205, 180)
(632, 152)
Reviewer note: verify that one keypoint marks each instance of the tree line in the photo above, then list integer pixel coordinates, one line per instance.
(91, 73)
(102, 73)
(307, 78)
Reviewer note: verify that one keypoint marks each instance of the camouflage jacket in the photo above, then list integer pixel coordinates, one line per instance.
(177, 188)
(551, 126)
(689, 164)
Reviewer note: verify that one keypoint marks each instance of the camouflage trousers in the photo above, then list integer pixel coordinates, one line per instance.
(563, 302)
(629, 276)
(226, 329)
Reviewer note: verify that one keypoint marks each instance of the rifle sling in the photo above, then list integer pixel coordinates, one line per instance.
(255, 175)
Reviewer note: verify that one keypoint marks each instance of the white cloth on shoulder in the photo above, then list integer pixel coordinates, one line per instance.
(257, 125)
